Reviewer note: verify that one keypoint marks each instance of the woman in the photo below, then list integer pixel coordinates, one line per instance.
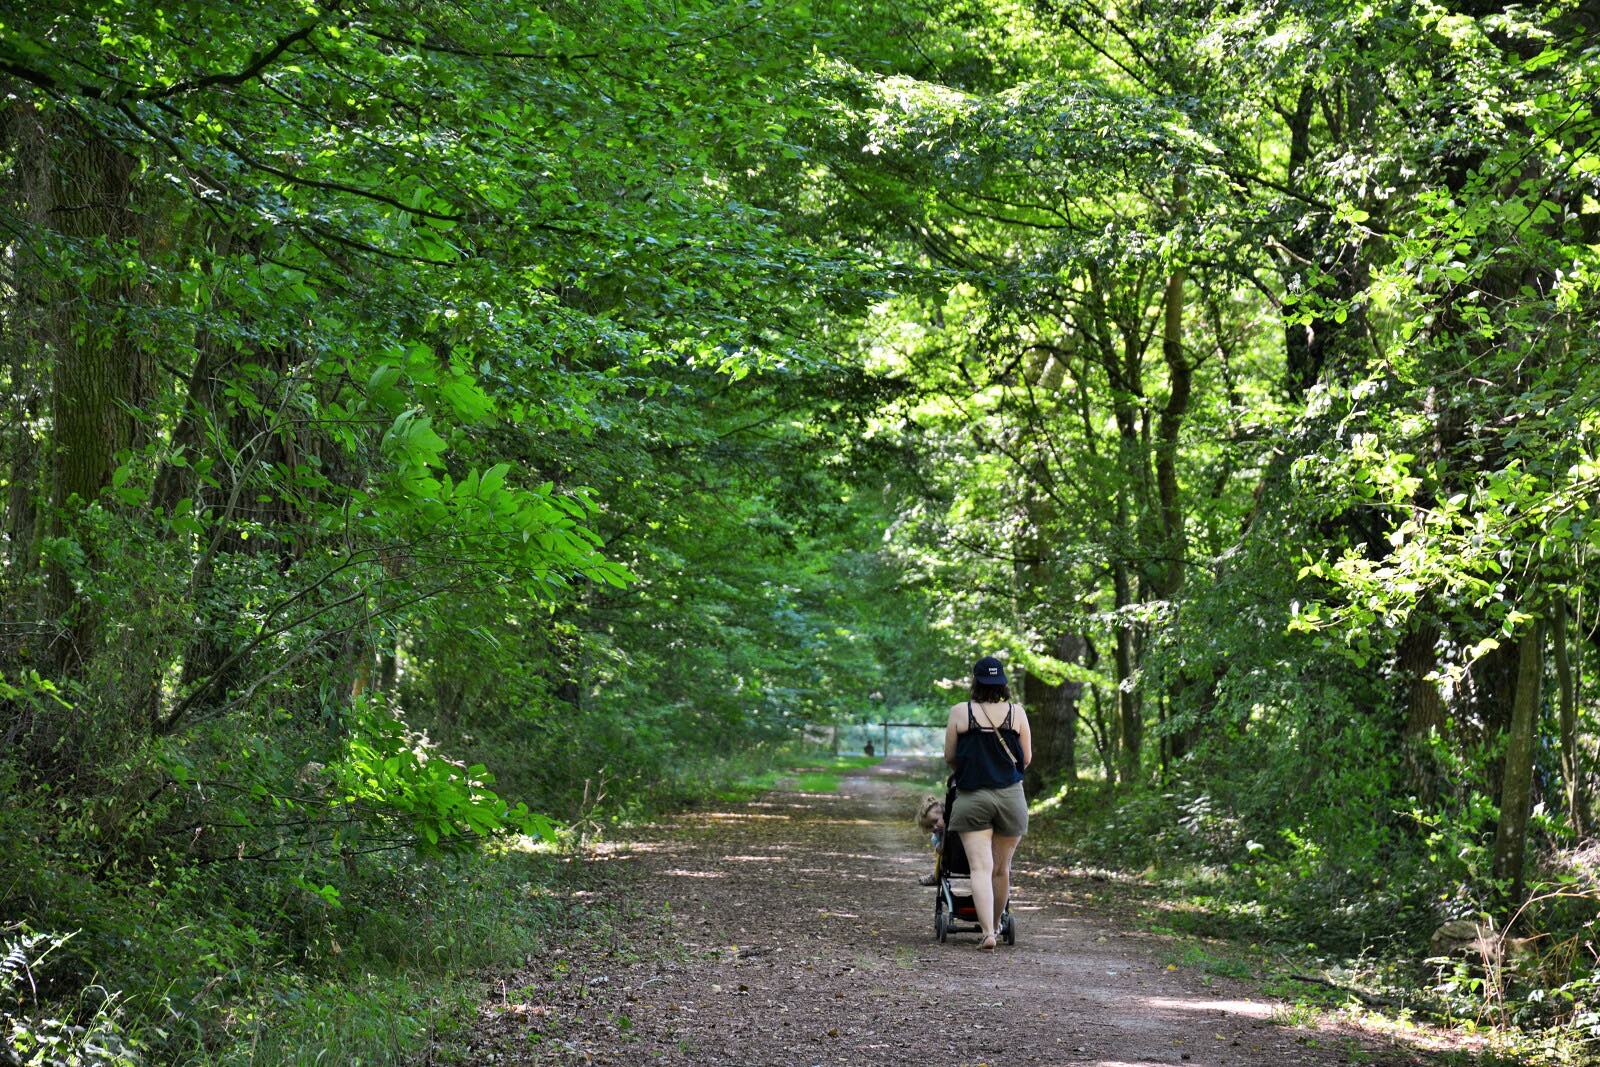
(988, 744)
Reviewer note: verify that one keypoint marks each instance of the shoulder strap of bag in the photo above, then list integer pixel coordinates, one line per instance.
(1005, 746)
(1015, 761)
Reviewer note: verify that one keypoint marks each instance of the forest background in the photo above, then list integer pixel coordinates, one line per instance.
(428, 427)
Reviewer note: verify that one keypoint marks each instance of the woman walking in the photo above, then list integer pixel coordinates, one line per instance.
(988, 744)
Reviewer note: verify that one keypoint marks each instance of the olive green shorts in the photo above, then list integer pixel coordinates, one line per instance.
(1003, 810)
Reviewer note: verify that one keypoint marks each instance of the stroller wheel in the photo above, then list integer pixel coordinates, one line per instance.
(941, 922)
(1008, 929)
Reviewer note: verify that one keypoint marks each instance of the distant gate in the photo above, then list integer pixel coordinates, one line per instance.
(899, 738)
(912, 738)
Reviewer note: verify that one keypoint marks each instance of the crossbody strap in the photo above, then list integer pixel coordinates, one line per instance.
(1005, 746)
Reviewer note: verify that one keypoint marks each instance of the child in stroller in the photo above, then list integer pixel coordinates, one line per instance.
(952, 908)
(930, 819)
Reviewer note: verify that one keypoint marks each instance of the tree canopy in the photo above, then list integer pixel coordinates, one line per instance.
(421, 420)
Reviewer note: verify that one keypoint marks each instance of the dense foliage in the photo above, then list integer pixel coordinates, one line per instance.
(430, 427)
(417, 434)
(1266, 407)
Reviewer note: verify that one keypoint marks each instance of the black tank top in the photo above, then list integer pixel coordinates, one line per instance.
(980, 761)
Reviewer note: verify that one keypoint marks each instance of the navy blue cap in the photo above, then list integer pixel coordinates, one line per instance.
(989, 671)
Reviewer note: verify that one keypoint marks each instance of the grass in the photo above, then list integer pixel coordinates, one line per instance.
(1197, 957)
(1305, 995)
(853, 763)
(817, 782)
(748, 787)
(825, 775)
(806, 774)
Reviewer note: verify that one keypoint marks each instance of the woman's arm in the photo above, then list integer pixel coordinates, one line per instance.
(950, 740)
(1025, 735)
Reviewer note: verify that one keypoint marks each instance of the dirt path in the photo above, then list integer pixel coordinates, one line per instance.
(791, 932)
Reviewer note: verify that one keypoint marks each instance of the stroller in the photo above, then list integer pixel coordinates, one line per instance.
(952, 909)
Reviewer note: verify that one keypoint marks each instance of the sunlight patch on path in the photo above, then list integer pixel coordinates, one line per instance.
(740, 816)
(626, 849)
(678, 872)
(1248, 1008)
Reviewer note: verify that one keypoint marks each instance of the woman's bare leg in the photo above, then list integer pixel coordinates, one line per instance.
(980, 862)
(1003, 848)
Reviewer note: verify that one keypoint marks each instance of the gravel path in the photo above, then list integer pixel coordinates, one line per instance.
(791, 932)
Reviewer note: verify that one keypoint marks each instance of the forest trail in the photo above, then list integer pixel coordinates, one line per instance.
(797, 936)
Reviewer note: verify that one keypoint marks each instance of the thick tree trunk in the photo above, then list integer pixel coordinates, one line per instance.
(1491, 693)
(265, 449)
(1416, 659)
(97, 373)
(563, 672)
(1516, 792)
(1052, 709)
(1053, 716)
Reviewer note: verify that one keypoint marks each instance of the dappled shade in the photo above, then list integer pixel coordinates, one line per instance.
(442, 442)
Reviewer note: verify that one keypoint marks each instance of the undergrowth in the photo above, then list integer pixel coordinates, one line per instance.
(168, 960)
(1366, 921)
(223, 966)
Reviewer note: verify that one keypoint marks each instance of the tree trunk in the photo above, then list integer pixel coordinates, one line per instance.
(1571, 771)
(1304, 343)
(1130, 716)
(27, 339)
(22, 492)
(1510, 839)
(1123, 367)
(1316, 248)
(1416, 659)
(1169, 570)
(1053, 717)
(389, 668)
(1105, 735)
(1487, 702)
(97, 370)
(1052, 709)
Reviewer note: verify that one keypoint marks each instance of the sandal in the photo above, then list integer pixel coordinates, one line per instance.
(987, 944)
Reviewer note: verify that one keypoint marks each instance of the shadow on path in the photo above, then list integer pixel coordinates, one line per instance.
(791, 931)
